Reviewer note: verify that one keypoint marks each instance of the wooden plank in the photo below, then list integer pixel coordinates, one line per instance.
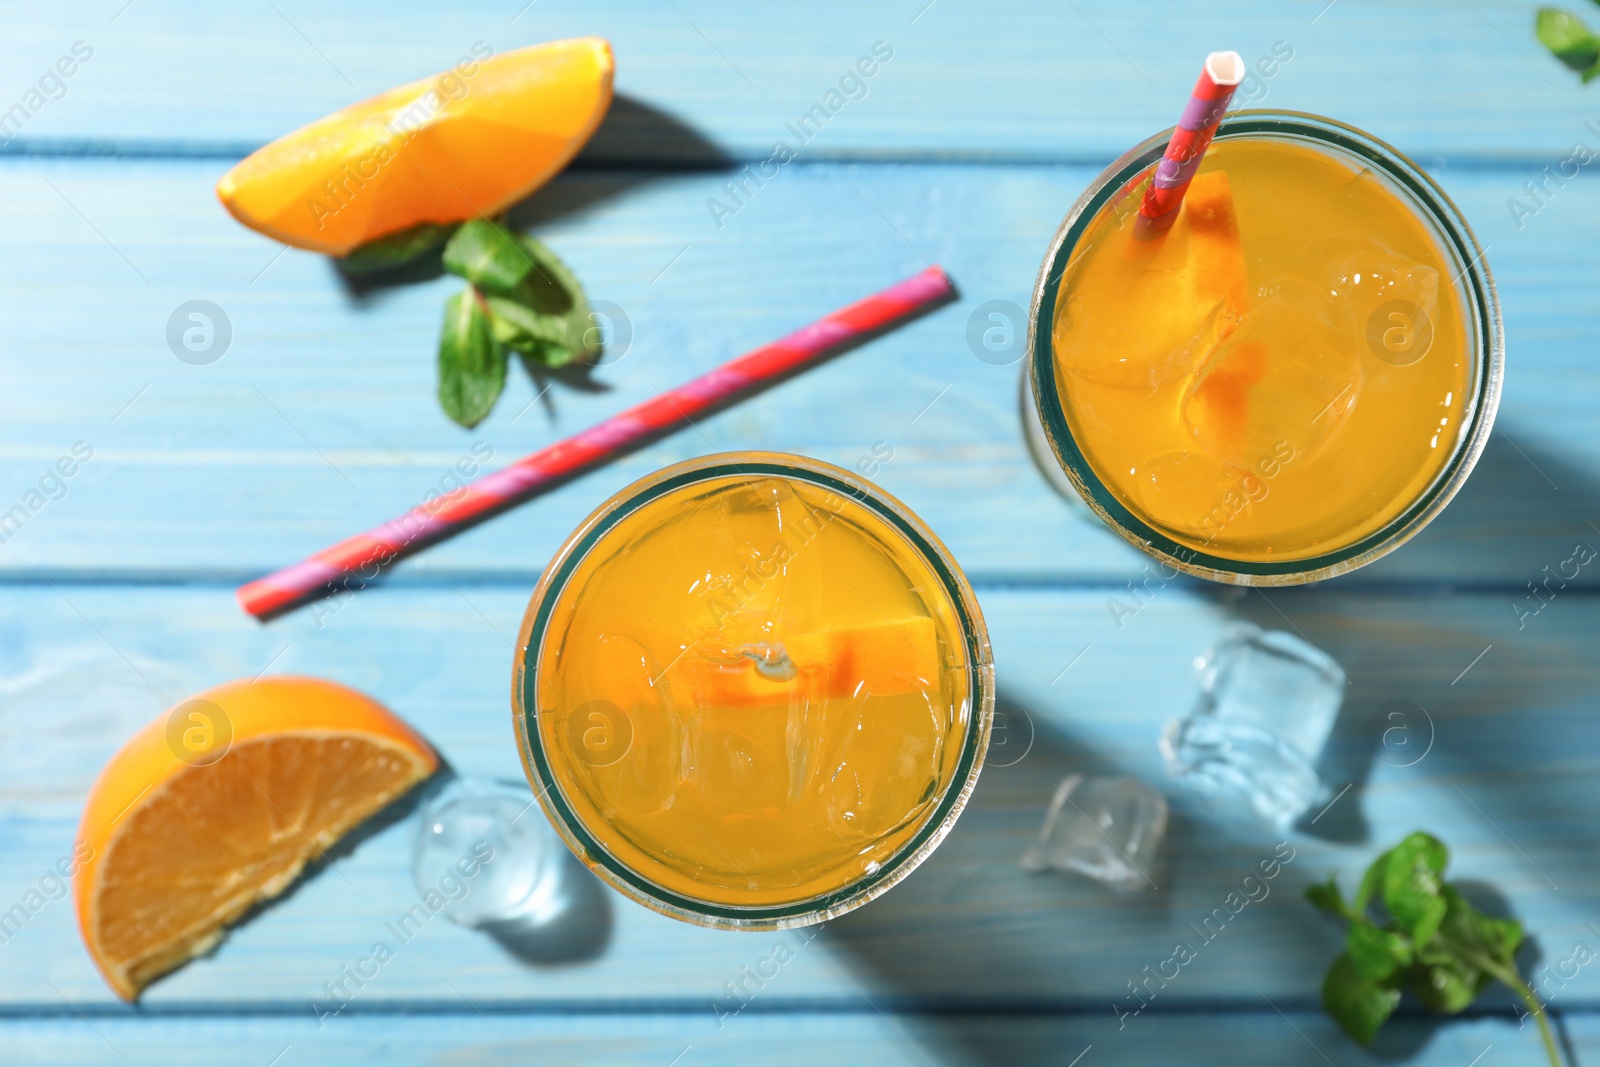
(968, 79)
(1506, 781)
(467, 1038)
(320, 420)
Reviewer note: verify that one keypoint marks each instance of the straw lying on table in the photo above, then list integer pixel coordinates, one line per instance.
(1221, 75)
(436, 519)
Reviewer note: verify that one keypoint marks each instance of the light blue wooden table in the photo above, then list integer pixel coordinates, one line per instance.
(117, 599)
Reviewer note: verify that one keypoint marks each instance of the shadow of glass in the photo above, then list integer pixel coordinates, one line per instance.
(969, 921)
(1405, 646)
(1522, 508)
(970, 928)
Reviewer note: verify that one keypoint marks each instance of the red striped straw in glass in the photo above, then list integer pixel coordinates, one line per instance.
(1221, 75)
(363, 554)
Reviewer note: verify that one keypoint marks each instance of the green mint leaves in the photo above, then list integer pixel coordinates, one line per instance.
(521, 299)
(395, 250)
(1569, 39)
(472, 366)
(1360, 1005)
(489, 256)
(1433, 942)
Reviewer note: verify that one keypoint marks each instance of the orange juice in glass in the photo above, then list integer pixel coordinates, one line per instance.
(1291, 381)
(753, 691)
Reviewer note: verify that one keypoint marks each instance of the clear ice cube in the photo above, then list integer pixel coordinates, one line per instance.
(1166, 485)
(1391, 302)
(888, 766)
(486, 850)
(1268, 701)
(1105, 828)
(744, 603)
(739, 760)
(622, 720)
(1287, 376)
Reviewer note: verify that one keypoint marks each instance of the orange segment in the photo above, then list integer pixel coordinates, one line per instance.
(470, 141)
(1180, 294)
(191, 824)
(1215, 250)
(1219, 404)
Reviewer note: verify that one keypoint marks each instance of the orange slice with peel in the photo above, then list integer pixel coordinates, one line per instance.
(219, 804)
(468, 142)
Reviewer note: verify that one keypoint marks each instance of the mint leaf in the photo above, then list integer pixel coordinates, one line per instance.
(1465, 925)
(1445, 982)
(1439, 944)
(1413, 875)
(395, 250)
(549, 286)
(553, 289)
(1327, 897)
(489, 256)
(1569, 40)
(1370, 883)
(1376, 953)
(583, 331)
(553, 311)
(518, 325)
(472, 367)
(543, 341)
(1359, 1005)
(540, 358)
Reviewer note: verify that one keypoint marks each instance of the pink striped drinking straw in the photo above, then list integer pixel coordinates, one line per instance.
(438, 518)
(1221, 75)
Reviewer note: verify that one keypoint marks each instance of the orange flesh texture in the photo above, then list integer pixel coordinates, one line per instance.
(1225, 382)
(176, 851)
(468, 142)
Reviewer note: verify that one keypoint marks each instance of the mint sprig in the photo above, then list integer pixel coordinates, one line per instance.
(1430, 939)
(521, 298)
(1569, 39)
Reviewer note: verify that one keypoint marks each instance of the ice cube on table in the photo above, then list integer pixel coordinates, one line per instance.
(485, 849)
(1268, 701)
(1288, 376)
(1107, 829)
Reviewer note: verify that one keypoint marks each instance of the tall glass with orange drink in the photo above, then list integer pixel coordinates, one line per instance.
(753, 691)
(1291, 381)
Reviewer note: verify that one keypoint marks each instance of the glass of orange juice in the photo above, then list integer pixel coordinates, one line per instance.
(753, 691)
(1288, 384)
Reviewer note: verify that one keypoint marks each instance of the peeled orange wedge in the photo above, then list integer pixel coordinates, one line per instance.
(1220, 274)
(469, 142)
(219, 804)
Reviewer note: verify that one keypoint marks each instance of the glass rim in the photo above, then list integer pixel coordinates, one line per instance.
(1474, 282)
(593, 852)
